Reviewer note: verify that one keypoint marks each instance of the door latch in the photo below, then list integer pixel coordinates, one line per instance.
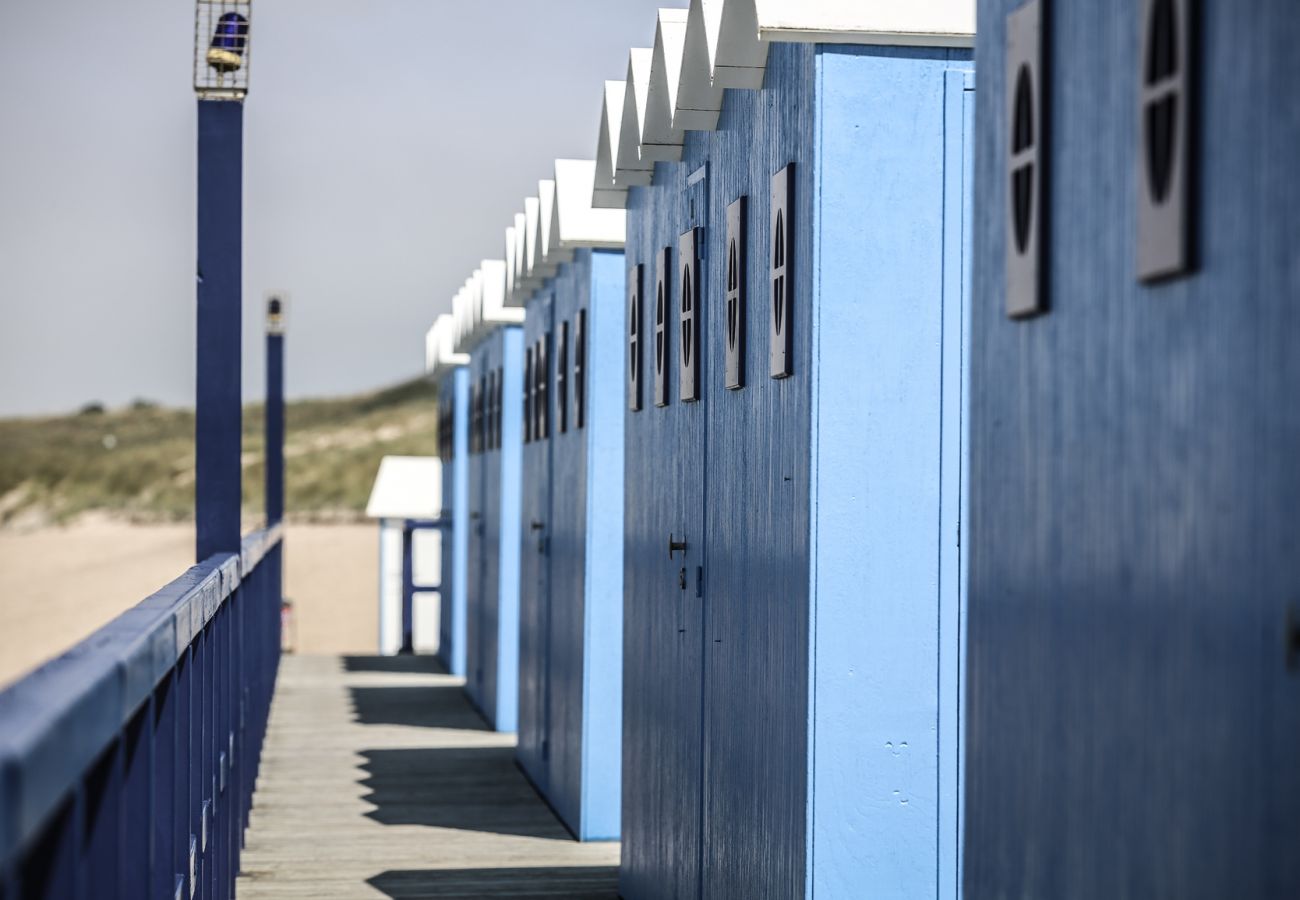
(681, 578)
(676, 546)
(535, 525)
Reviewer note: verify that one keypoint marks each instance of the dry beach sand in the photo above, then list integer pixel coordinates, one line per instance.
(57, 585)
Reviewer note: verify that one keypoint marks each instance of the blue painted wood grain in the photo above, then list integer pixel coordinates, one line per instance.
(535, 574)
(809, 652)
(566, 549)
(1134, 728)
(571, 602)
(602, 679)
(453, 394)
(663, 624)
(889, 304)
(478, 589)
(492, 597)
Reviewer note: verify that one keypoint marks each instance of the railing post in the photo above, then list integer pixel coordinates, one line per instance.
(274, 408)
(217, 406)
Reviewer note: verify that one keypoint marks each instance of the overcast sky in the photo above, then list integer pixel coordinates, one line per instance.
(387, 146)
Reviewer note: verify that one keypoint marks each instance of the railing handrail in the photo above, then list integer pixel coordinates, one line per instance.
(56, 721)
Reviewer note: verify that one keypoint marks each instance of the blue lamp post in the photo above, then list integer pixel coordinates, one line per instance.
(221, 64)
(275, 313)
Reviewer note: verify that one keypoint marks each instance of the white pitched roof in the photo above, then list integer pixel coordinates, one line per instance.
(510, 264)
(659, 139)
(720, 44)
(532, 210)
(406, 487)
(629, 167)
(605, 193)
(482, 305)
(699, 100)
(925, 23)
(492, 296)
(546, 264)
(440, 347)
(577, 222)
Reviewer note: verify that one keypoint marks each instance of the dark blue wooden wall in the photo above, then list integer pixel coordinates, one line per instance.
(453, 396)
(757, 515)
(492, 596)
(565, 536)
(533, 751)
(715, 690)
(663, 617)
(1134, 726)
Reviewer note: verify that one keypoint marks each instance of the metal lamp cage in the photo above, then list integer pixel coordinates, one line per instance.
(222, 48)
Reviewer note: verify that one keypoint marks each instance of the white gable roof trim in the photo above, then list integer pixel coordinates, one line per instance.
(406, 487)
(579, 222)
(481, 305)
(440, 354)
(718, 44)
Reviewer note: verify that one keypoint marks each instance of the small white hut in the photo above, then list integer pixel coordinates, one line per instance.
(406, 498)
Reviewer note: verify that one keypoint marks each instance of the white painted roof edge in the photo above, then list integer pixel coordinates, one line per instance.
(579, 223)
(660, 141)
(431, 340)
(545, 265)
(493, 296)
(606, 194)
(406, 487)
(509, 260)
(724, 45)
(440, 347)
(629, 168)
(936, 23)
(531, 277)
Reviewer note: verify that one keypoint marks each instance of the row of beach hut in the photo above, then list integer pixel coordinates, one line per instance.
(827, 525)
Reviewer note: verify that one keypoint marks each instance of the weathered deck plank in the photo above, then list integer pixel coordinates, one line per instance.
(380, 781)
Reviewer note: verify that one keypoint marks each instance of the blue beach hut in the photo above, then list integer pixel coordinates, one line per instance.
(796, 179)
(492, 336)
(571, 557)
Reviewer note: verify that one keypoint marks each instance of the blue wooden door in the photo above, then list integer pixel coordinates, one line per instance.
(476, 553)
(567, 550)
(663, 559)
(454, 403)
(759, 433)
(534, 560)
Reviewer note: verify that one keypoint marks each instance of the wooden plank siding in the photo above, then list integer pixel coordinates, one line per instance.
(1134, 716)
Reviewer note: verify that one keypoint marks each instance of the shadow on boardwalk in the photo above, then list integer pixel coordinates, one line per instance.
(572, 883)
(381, 780)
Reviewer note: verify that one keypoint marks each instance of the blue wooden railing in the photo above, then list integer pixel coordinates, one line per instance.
(127, 764)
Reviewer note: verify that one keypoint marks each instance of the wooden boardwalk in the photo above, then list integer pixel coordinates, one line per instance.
(380, 780)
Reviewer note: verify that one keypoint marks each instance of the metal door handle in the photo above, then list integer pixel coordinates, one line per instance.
(675, 546)
(536, 525)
